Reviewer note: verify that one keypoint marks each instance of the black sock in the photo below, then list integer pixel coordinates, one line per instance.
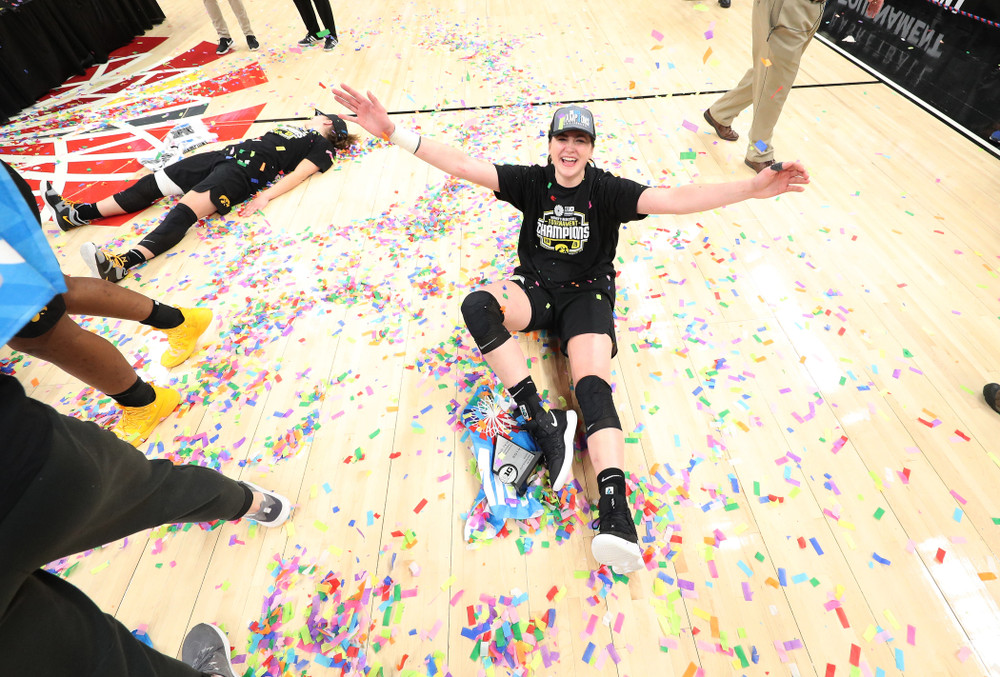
(134, 258)
(525, 394)
(139, 395)
(87, 211)
(611, 481)
(164, 317)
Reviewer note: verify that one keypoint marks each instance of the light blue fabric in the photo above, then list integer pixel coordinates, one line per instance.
(496, 502)
(29, 271)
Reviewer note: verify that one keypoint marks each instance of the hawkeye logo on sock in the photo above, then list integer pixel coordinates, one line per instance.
(563, 230)
(609, 490)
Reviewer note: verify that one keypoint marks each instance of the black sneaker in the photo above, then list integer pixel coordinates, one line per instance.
(273, 511)
(990, 392)
(553, 433)
(310, 39)
(63, 212)
(330, 43)
(110, 267)
(225, 44)
(206, 649)
(617, 543)
(252, 43)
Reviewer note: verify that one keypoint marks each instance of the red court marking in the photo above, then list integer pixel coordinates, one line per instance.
(233, 81)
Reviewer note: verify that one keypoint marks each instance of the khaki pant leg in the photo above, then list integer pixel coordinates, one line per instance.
(215, 14)
(733, 102)
(792, 26)
(241, 16)
(739, 98)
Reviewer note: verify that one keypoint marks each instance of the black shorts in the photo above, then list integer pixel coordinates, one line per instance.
(572, 310)
(225, 182)
(45, 319)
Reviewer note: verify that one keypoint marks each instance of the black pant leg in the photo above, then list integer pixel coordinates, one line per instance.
(326, 16)
(95, 489)
(52, 628)
(308, 15)
(92, 490)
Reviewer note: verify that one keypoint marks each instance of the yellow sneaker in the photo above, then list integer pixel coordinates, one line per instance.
(184, 336)
(137, 422)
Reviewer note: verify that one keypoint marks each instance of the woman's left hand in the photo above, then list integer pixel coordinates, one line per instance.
(781, 177)
(366, 110)
(255, 205)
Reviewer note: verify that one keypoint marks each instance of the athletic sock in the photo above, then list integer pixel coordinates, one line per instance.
(133, 258)
(164, 317)
(611, 481)
(139, 395)
(525, 394)
(87, 211)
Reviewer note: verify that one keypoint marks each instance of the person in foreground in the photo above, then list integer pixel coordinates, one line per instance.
(69, 486)
(565, 282)
(215, 181)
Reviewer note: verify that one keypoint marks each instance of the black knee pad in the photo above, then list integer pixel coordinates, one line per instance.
(171, 230)
(484, 318)
(597, 405)
(139, 195)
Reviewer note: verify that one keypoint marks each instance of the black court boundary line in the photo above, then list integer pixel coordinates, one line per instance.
(880, 79)
(913, 98)
(596, 99)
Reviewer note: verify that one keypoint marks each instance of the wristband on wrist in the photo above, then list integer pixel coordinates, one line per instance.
(405, 139)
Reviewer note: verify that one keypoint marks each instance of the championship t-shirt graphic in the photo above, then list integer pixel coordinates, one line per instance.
(563, 229)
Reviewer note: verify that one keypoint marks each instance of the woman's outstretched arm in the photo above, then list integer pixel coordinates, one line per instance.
(369, 113)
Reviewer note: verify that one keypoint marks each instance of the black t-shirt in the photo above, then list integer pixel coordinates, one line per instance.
(568, 234)
(281, 150)
(26, 439)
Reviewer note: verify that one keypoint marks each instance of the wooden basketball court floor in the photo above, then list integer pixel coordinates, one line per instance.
(815, 471)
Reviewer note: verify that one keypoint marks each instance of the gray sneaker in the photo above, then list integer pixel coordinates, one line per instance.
(273, 511)
(110, 267)
(63, 212)
(330, 43)
(206, 648)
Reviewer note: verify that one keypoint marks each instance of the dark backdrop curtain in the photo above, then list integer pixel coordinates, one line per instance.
(45, 42)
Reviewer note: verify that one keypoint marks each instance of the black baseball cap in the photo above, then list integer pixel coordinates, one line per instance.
(572, 117)
(339, 126)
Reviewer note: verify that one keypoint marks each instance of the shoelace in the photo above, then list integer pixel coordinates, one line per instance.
(617, 519)
(177, 336)
(116, 260)
(132, 419)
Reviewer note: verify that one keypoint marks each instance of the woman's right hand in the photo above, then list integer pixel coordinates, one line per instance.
(366, 111)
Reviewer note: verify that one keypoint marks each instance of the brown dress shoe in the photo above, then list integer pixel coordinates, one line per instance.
(725, 133)
(758, 166)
